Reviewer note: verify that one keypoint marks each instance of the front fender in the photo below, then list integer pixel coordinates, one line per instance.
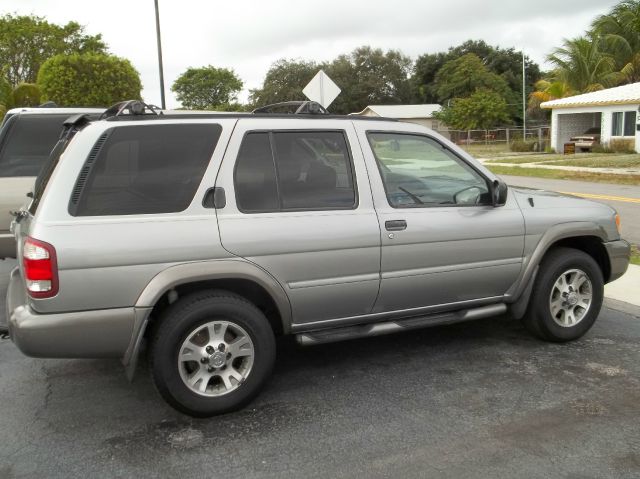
(552, 235)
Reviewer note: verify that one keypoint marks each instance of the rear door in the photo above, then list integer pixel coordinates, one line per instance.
(299, 205)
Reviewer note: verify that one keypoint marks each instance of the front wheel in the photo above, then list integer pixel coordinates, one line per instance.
(211, 353)
(567, 296)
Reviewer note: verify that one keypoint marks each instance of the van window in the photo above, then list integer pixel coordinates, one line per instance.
(144, 169)
(26, 143)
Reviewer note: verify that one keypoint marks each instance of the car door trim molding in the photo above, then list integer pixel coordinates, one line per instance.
(358, 278)
(447, 268)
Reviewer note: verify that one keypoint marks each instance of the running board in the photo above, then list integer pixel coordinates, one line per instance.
(378, 329)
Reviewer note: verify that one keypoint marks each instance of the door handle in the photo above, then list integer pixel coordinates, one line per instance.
(395, 225)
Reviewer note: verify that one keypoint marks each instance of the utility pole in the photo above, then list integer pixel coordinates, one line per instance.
(524, 101)
(160, 56)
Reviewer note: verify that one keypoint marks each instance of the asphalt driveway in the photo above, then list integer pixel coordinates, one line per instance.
(480, 399)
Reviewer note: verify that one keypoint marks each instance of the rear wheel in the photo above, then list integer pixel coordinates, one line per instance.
(212, 353)
(567, 296)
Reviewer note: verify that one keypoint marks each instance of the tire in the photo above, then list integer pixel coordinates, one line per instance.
(555, 316)
(211, 325)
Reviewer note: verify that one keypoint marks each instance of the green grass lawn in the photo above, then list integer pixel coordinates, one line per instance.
(635, 255)
(590, 160)
(564, 175)
(488, 151)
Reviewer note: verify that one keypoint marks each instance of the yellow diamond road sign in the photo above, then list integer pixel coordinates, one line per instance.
(321, 89)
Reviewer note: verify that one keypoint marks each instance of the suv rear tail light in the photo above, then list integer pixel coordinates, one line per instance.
(40, 268)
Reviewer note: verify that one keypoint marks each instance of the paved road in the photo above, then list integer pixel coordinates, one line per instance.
(629, 211)
(480, 399)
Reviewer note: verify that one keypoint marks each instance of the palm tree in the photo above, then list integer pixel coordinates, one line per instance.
(546, 90)
(620, 30)
(583, 65)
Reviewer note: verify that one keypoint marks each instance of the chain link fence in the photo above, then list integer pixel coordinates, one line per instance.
(539, 137)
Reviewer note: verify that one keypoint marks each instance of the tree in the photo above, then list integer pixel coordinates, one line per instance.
(504, 62)
(284, 81)
(547, 91)
(366, 76)
(620, 31)
(484, 109)
(26, 42)
(207, 88)
(583, 65)
(88, 80)
(464, 75)
(25, 94)
(369, 76)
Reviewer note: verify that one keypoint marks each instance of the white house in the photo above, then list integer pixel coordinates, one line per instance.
(420, 114)
(614, 110)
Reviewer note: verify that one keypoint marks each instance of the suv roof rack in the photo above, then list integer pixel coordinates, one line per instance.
(294, 107)
(130, 107)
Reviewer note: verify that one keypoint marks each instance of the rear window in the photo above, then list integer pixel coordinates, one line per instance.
(144, 169)
(26, 143)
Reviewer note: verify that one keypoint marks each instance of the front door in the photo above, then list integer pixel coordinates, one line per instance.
(299, 205)
(443, 243)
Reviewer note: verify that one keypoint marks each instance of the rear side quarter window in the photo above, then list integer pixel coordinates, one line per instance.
(144, 169)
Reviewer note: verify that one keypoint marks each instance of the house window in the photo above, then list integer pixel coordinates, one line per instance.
(623, 123)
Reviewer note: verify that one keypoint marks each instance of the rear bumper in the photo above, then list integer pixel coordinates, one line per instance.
(7, 245)
(619, 253)
(84, 334)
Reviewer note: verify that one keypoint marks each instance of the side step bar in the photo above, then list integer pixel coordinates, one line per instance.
(378, 329)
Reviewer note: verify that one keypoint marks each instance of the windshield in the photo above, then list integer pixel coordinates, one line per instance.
(27, 141)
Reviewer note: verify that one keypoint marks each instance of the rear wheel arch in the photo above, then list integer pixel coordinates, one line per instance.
(250, 290)
(235, 276)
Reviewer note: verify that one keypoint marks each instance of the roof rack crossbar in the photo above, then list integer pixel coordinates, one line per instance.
(130, 107)
(301, 107)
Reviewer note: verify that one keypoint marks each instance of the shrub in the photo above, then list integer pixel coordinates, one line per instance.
(620, 145)
(601, 149)
(521, 145)
(88, 80)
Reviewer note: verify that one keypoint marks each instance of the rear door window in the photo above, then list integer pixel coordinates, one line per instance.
(144, 169)
(26, 143)
(294, 170)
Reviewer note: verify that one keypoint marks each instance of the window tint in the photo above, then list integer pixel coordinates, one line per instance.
(294, 170)
(255, 175)
(144, 169)
(27, 141)
(314, 170)
(418, 172)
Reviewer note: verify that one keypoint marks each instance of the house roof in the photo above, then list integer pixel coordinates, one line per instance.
(620, 95)
(402, 111)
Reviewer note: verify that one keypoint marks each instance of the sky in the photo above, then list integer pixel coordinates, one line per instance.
(249, 35)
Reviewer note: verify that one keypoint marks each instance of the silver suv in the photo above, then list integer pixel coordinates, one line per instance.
(211, 235)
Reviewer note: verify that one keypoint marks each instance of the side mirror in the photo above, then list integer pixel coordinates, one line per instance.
(499, 191)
